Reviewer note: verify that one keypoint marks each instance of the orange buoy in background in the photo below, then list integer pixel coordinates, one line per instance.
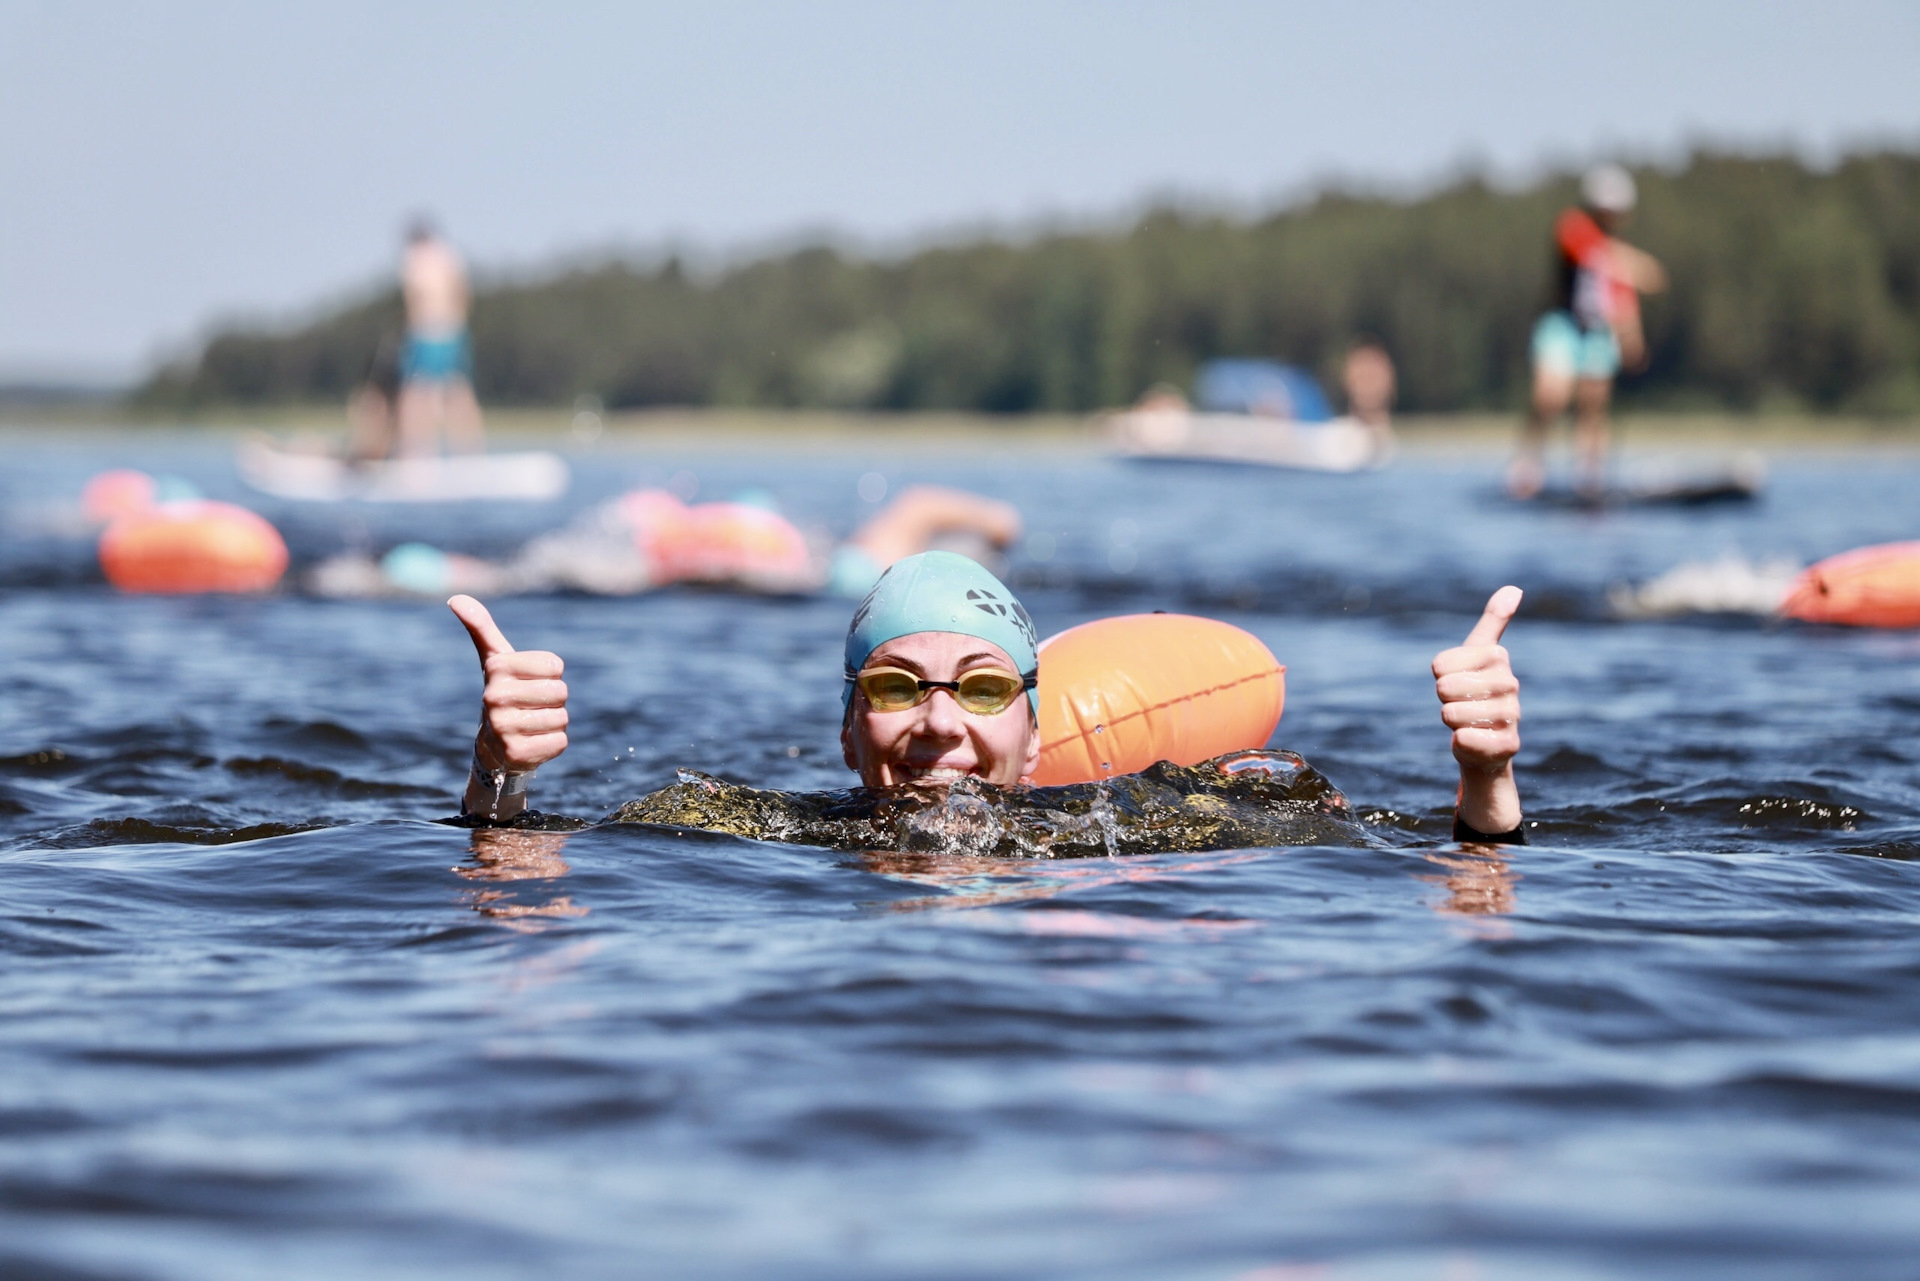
(193, 547)
(1119, 694)
(1868, 587)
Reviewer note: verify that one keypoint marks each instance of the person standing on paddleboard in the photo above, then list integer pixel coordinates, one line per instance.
(1589, 333)
(436, 388)
(941, 677)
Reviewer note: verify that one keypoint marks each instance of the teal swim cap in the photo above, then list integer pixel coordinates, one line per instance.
(941, 592)
(417, 568)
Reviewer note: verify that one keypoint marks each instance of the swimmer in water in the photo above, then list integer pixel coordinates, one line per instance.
(648, 539)
(1368, 379)
(1591, 331)
(436, 391)
(941, 693)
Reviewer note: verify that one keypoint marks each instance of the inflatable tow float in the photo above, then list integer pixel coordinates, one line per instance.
(1120, 694)
(1868, 587)
(180, 547)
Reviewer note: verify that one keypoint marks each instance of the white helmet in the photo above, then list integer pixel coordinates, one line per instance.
(1609, 189)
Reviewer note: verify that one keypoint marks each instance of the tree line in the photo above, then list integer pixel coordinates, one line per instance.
(1792, 286)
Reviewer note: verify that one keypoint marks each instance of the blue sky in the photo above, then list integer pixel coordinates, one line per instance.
(166, 166)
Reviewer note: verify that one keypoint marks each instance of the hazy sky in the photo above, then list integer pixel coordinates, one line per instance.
(166, 165)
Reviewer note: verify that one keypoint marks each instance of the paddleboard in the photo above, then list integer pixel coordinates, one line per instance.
(1337, 445)
(1735, 485)
(526, 476)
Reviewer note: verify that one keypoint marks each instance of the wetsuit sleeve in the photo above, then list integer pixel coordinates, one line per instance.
(1472, 836)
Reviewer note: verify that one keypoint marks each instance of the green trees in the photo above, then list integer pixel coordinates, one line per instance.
(1790, 286)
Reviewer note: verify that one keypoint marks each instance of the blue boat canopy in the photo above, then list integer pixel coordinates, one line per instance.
(1264, 387)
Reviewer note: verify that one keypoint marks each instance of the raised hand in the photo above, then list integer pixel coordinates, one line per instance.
(1480, 703)
(523, 710)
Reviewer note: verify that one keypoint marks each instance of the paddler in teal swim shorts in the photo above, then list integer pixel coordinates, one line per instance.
(941, 685)
(436, 388)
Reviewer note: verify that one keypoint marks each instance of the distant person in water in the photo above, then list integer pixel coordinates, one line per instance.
(649, 539)
(941, 684)
(1368, 379)
(1590, 332)
(436, 389)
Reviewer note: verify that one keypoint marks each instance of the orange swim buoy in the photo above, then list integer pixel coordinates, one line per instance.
(1119, 694)
(1868, 587)
(193, 547)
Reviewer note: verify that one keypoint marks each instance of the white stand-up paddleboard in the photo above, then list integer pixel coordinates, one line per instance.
(528, 476)
(1339, 445)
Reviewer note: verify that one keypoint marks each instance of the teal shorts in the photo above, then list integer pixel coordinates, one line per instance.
(1562, 347)
(437, 359)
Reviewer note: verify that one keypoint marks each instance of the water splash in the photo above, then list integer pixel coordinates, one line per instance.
(1245, 799)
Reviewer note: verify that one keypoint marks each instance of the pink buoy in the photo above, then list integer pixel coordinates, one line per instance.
(116, 493)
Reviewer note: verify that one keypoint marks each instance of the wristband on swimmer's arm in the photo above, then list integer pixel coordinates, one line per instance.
(1464, 834)
(501, 783)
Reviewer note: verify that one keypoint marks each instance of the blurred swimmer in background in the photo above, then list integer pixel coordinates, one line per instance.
(1590, 332)
(436, 391)
(650, 538)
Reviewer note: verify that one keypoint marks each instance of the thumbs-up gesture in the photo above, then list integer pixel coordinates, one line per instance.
(1480, 703)
(523, 716)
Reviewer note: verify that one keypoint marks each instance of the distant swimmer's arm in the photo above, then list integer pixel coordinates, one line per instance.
(922, 512)
(1480, 703)
(523, 716)
(1638, 267)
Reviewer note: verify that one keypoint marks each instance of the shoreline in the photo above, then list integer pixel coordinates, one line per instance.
(727, 430)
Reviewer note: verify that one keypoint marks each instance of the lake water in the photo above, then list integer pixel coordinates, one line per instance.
(262, 1015)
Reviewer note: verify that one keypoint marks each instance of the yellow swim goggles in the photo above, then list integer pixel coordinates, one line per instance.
(984, 691)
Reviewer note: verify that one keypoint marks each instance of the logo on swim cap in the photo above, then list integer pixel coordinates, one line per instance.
(988, 603)
(866, 608)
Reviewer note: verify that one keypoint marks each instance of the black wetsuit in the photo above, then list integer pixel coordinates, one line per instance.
(1243, 800)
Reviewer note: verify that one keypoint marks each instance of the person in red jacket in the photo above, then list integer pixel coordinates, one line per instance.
(1590, 331)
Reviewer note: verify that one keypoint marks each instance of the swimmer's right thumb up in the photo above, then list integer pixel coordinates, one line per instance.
(488, 639)
(1501, 607)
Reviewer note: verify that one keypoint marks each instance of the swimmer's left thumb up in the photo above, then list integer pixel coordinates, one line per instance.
(1501, 607)
(488, 639)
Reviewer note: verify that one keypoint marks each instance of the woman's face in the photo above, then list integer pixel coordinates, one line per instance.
(938, 741)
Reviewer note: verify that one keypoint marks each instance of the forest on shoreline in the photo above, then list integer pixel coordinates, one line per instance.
(1793, 288)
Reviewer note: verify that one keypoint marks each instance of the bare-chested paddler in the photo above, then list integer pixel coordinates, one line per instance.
(436, 389)
(940, 692)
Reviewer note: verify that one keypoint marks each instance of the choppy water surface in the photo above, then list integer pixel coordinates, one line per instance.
(261, 1015)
